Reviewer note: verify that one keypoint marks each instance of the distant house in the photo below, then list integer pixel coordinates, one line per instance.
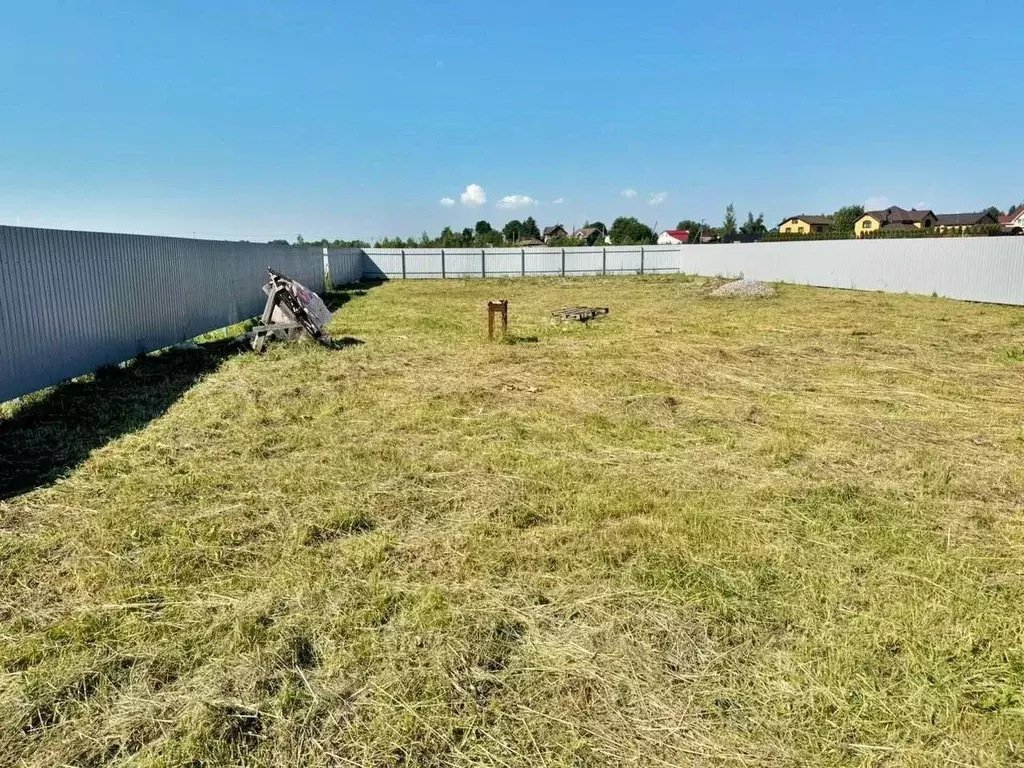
(961, 221)
(589, 235)
(804, 224)
(893, 218)
(554, 233)
(674, 237)
(1013, 221)
(529, 242)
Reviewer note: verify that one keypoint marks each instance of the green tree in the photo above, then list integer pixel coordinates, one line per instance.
(482, 228)
(996, 213)
(491, 239)
(299, 240)
(844, 219)
(627, 230)
(596, 225)
(513, 231)
(279, 242)
(729, 222)
(753, 226)
(530, 229)
(448, 239)
(466, 240)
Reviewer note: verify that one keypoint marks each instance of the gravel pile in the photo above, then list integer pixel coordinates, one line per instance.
(743, 288)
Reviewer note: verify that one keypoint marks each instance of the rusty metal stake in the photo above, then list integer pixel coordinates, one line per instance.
(497, 307)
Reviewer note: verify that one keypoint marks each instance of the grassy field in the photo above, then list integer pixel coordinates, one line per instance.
(780, 532)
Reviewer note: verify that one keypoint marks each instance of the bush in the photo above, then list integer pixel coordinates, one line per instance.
(984, 230)
(786, 237)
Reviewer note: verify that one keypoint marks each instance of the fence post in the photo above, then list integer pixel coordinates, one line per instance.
(442, 263)
(403, 263)
(641, 259)
(483, 262)
(563, 262)
(522, 255)
(604, 260)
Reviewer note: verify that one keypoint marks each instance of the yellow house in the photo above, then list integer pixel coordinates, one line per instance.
(893, 218)
(804, 225)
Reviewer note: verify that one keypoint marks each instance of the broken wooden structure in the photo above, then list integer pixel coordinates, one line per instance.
(580, 314)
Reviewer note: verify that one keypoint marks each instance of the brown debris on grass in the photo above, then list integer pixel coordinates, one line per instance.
(696, 533)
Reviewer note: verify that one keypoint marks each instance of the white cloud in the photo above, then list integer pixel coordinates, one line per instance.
(629, 192)
(876, 203)
(658, 198)
(516, 201)
(921, 206)
(473, 196)
(558, 200)
(447, 202)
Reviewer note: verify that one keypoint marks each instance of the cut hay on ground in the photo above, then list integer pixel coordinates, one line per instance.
(696, 533)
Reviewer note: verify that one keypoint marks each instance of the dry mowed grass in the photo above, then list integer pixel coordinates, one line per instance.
(777, 532)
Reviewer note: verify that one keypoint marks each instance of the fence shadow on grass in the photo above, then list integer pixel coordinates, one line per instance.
(336, 298)
(54, 431)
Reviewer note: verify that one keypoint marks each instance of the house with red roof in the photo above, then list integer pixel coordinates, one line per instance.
(674, 237)
(1013, 221)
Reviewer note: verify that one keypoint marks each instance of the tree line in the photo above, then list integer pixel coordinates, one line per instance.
(625, 230)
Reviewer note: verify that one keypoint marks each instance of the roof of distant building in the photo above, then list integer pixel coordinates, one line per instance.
(896, 214)
(961, 219)
(810, 219)
(678, 234)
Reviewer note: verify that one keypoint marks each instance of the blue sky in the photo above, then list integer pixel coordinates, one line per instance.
(263, 119)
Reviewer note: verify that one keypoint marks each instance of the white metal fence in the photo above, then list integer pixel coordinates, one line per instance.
(988, 269)
(418, 263)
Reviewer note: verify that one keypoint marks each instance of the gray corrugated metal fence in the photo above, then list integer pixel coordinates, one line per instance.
(71, 302)
(410, 263)
(346, 265)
